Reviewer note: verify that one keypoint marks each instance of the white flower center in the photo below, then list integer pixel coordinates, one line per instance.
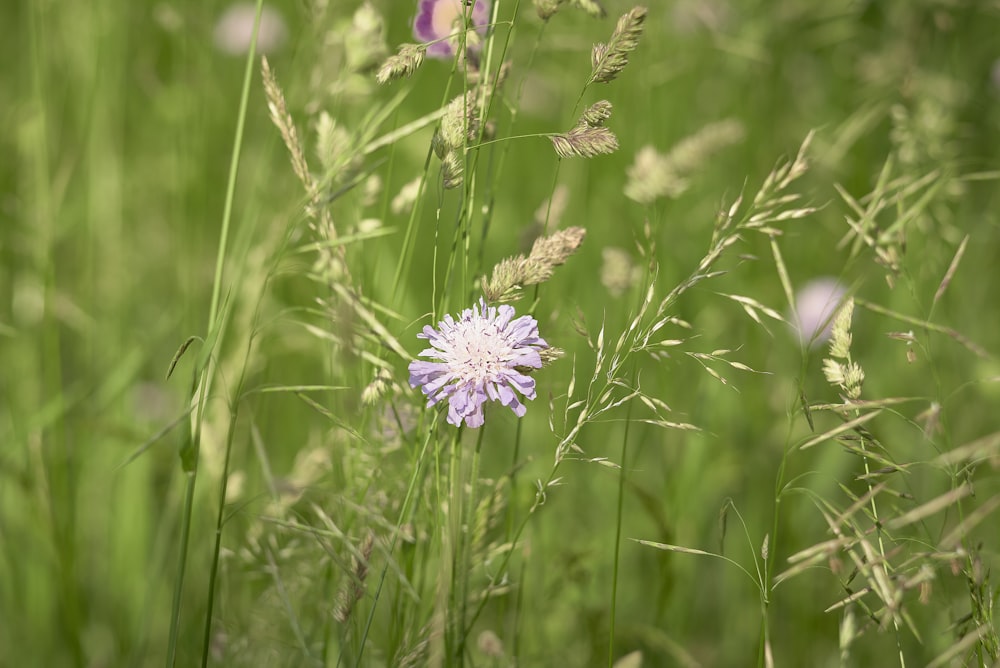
(479, 351)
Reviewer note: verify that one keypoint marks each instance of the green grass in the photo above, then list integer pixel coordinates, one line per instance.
(654, 499)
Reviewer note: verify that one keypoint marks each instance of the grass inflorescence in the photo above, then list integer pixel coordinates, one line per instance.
(480, 352)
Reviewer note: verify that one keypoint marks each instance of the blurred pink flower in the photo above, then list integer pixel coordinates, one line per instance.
(815, 305)
(440, 19)
(234, 29)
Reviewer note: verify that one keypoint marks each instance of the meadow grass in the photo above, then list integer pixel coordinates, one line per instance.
(215, 269)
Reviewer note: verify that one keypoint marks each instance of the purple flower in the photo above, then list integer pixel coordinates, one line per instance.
(480, 355)
(815, 305)
(234, 29)
(444, 19)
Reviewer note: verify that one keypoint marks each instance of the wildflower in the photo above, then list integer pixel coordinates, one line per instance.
(815, 305)
(234, 30)
(482, 357)
(437, 21)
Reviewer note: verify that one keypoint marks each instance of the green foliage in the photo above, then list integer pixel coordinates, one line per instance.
(696, 483)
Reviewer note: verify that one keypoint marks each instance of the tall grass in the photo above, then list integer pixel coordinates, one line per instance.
(696, 483)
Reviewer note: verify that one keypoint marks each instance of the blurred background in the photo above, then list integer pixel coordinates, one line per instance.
(118, 123)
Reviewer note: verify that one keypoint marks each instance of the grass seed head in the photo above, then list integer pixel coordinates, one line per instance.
(608, 60)
(408, 58)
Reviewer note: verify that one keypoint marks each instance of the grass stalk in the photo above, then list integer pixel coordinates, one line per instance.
(622, 473)
(204, 386)
(403, 518)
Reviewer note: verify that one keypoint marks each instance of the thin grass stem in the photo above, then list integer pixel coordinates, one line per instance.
(622, 473)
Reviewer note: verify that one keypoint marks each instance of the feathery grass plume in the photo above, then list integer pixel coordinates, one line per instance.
(487, 518)
(460, 123)
(654, 174)
(452, 170)
(618, 272)
(550, 355)
(376, 389)
(355, 586)
(364, 43)
(546, 9)
(608, 60)
(404, 63)
(286, 126)
(592, 7)
(331, 261)
(334, 148)
(589, 137)
(847, 375)
(585, 142)
(406, 197)
(514, 273)
(595, 115)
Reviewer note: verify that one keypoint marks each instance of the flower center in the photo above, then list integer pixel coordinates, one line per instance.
(479, 350)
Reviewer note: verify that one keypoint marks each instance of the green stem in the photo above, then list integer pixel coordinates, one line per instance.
(190, 454)
(175, 608)
(219, 520)
(455, 512)
(404, 512)
(618, 531)
(466, 527)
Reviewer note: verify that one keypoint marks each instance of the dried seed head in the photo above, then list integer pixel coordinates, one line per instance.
(654, 174)
(354, 589)
(546, 9)
(547, 253)
(377, 388)
(589, 137)
(364, 43)
(282, 119)
(585, 142)
(608, 60)
(555, 249)
(460, 123)
(550, 355)
(403, 64)
(595, 115)
(840, 335)
(334, 148)
(452, 170)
